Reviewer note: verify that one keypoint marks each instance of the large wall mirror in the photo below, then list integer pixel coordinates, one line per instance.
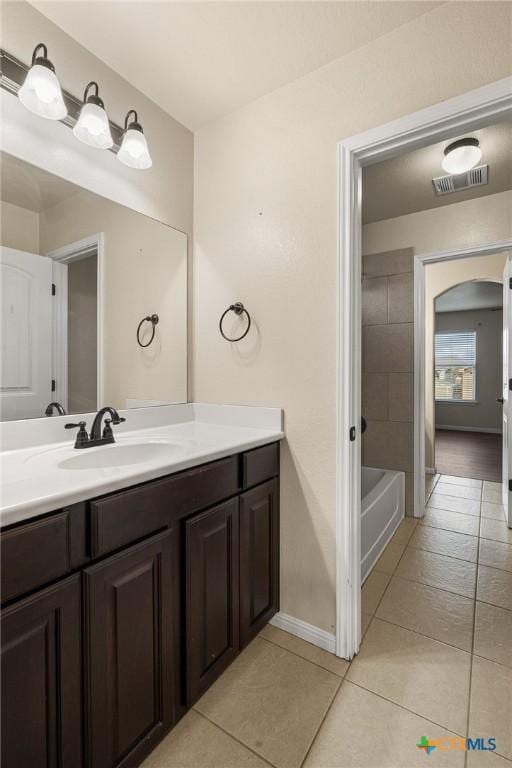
(78, 274)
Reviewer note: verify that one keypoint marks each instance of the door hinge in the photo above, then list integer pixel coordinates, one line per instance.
(54, 289)
(510, 283)
(510, 485)
(352, 434)
(54, 385)
(510, 384)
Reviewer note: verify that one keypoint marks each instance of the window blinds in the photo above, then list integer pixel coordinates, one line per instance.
(455, 349)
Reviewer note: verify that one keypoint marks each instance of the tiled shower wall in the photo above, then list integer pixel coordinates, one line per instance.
(388, 363)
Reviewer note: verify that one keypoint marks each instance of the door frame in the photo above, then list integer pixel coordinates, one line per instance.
(445, 120)
(420, 262)
(61, 257)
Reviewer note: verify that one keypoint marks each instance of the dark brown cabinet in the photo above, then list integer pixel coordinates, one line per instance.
(259, 558)
(212, 595)
(129, 612)
(119, 612)
(41, 679)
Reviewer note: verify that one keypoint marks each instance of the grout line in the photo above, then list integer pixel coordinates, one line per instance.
(422, 634)
(315, 664)
(264, 759)
(322, 721)
(406, 709)
(433, 552)
(432, 586)
(492, 661)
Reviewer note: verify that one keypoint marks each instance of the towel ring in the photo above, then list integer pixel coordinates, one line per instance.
(153, 319)
(239, 309)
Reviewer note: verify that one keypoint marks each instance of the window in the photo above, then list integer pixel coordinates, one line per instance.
(455, 366)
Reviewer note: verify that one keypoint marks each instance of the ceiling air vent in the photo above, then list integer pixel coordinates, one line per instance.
(456, 182)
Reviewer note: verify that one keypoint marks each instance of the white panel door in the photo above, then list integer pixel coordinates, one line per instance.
(507, 400)
(26, 334)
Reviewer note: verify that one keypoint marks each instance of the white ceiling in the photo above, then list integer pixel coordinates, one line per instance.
(471, 295)
(201, 60)
(30, 187)
(403, 184)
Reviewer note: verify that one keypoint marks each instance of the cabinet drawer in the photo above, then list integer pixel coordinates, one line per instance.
(130, 515)
(260, 464)
(36, 553)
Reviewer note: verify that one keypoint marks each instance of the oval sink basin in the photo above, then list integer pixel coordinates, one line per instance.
(120, 455)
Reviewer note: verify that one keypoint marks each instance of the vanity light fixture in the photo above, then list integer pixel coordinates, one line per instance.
(461, 155)
(134, 151)
(41, 92)
(92, 126)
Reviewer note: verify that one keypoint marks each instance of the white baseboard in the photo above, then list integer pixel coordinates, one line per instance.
(490, 430)
(308, 632)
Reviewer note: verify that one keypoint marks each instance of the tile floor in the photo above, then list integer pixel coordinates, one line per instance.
(436, 659)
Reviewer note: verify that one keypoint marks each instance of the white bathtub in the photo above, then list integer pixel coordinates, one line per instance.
(382, 509)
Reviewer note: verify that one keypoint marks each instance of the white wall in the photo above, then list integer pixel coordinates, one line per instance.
(19, 228)
(265, 219)
(459, 225)
(485, 413)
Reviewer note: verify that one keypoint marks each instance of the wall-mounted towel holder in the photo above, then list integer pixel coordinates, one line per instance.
(239, 309)
(153, 319)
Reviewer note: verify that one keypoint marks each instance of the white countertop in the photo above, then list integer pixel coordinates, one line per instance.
(35, 479)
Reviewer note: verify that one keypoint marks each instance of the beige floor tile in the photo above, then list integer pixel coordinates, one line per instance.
(363, 730)
(496, 554)
(438, 571)
(491, 703)
(454, 504)
(432, 612)
(390, 558)
(494, 586)
(451, 521)
(480, 759)
(271, 700)
(308, 651)
(405, 530)
(456, 480)
(428, 677)
(492, 492)
(495, 529)
(372, 591)
(197, 743)
(461, 491)
(445, 542)
(494, 511)
(493, 633)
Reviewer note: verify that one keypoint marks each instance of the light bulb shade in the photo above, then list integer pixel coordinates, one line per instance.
(41, 92)
(461, 156)
(134, 151)
(93, 127)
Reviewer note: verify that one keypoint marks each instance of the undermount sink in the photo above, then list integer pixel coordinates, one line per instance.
(120, 455)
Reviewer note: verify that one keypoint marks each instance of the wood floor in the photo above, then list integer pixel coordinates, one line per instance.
(468, 454)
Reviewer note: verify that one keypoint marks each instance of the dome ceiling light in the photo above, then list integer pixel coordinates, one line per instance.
(461, 155)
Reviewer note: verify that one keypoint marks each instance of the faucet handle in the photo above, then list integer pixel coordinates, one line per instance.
(119, 420)
(82, 437)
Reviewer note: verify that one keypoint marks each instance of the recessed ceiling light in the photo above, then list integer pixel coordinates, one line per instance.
(462, 155)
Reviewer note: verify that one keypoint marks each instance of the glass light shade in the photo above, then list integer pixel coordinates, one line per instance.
(134, 151)
(92, 127)
(41, 93)
(462, 158)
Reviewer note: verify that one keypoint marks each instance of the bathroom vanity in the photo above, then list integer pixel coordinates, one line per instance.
(120, 610)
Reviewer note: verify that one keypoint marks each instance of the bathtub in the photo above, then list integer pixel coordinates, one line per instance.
(382, 509)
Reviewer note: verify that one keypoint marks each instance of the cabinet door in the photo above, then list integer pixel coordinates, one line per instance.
(212, 603)
(259, 558)
(41, 679)
(130, 619)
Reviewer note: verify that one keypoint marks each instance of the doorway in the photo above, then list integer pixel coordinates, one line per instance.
(443, 121)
